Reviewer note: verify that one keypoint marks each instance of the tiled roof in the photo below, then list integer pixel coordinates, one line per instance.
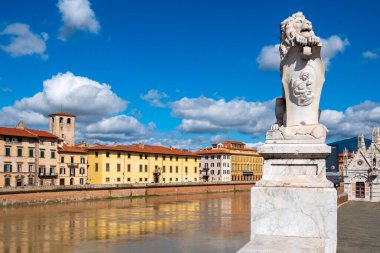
(41, 133)
(72, 149)
(62, 114)
(144, 149)
(30, 133)
(212, 151)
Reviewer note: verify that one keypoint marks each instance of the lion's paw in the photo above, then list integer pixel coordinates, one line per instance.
(314, 40)
(301, 40)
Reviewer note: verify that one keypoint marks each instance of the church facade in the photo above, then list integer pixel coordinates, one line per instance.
(361, 170)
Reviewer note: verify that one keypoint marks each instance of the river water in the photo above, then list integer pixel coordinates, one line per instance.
(218, 222)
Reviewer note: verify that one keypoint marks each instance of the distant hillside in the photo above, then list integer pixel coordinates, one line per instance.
(351, 144)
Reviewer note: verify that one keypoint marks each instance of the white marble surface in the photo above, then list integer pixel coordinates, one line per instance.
(297, 212)
(281, 244)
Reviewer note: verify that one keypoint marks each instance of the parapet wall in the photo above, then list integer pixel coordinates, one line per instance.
(59, 194)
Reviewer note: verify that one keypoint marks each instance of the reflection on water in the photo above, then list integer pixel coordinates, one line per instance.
(193, 223)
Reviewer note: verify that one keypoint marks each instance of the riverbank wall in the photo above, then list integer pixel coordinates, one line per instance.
(29, 195)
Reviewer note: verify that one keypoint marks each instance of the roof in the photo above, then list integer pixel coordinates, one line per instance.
(143, 149)
(208, 151)
(234, 142)
(30, 133)
(41, 133)
(62, 114)
(72, 149)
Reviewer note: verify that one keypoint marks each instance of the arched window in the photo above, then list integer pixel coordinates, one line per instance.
(68, 121)
(61, 120)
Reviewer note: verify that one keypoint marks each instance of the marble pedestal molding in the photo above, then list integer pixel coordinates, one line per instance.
(294, 206)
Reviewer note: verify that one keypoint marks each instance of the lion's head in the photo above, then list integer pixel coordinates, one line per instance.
(296, 30)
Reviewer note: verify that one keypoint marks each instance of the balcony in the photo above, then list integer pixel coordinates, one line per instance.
(73, 165)
(47, 175)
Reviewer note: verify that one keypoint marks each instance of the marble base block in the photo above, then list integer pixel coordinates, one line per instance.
(296, 218)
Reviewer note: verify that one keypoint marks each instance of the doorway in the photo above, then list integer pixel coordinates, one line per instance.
(360, 190)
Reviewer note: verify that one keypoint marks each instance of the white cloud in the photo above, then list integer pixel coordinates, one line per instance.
(6, 89)
(370, 55)
(88, 99)
(207, 115)
(269, 57)
(77, 15)
(119, 128)
(331, 47)
(353, 121)
(23, 41)
(154, 98)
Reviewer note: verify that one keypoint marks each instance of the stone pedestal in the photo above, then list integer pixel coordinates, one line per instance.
(293, 207)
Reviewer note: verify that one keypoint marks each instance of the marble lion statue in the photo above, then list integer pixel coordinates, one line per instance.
(296, 30)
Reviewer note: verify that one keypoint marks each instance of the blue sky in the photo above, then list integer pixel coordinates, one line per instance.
(182, 73)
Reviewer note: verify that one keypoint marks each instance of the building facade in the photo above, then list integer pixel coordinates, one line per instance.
(215, 164)
(140, 163)
(361, 171)
(241, 163)
(72, 163)
(27, 156)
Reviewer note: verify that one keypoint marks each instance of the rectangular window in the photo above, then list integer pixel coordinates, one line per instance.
(81, 171)
(141, 168)
(72, 171)
(129, 168)
(163, 169)
(81, 180)
(170, 169)
(163, 158)
(176, 179)
(176, 158)
(118, 155)
(185, 159)
(176, 169)
(107, 154)
(62, 171)
(96, 167)
(141, 156)
(52, 154)
(195, 170)
(19, 152)
(30, 169)
(52, 143)
(206, 157)
(42, 153)
(171, 158)
(82, 160)
(41, 171)
(31, 153)
(129, 155)
(96, 154)
(118, 168)
(107, 167)
(118, 179)
(71, 159)
(212, 157)
(62, 159)
(186, 169)
(42, 142)
(156, 157)
(146, 179)
(7, 151)
(107, 179)
(129, 179)
(140, 179)
(146, 157)
(146, 168)
(19, 167)
(31, 141)
(7, 167)
(52, 171)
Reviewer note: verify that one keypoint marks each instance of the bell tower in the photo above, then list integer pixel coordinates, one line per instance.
(62, 124)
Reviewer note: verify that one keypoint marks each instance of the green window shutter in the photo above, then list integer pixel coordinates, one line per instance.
(31, 153)
(8, 151)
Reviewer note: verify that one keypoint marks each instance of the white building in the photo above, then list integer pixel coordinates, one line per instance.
(215, 165)
(361, 172)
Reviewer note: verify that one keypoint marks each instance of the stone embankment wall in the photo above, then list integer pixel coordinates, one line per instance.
(60, 194)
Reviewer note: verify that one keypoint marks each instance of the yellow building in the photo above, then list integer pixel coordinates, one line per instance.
(27, 156)
(72, 163)
(140, 163)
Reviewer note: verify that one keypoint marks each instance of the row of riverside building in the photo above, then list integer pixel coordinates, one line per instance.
(36, 157)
